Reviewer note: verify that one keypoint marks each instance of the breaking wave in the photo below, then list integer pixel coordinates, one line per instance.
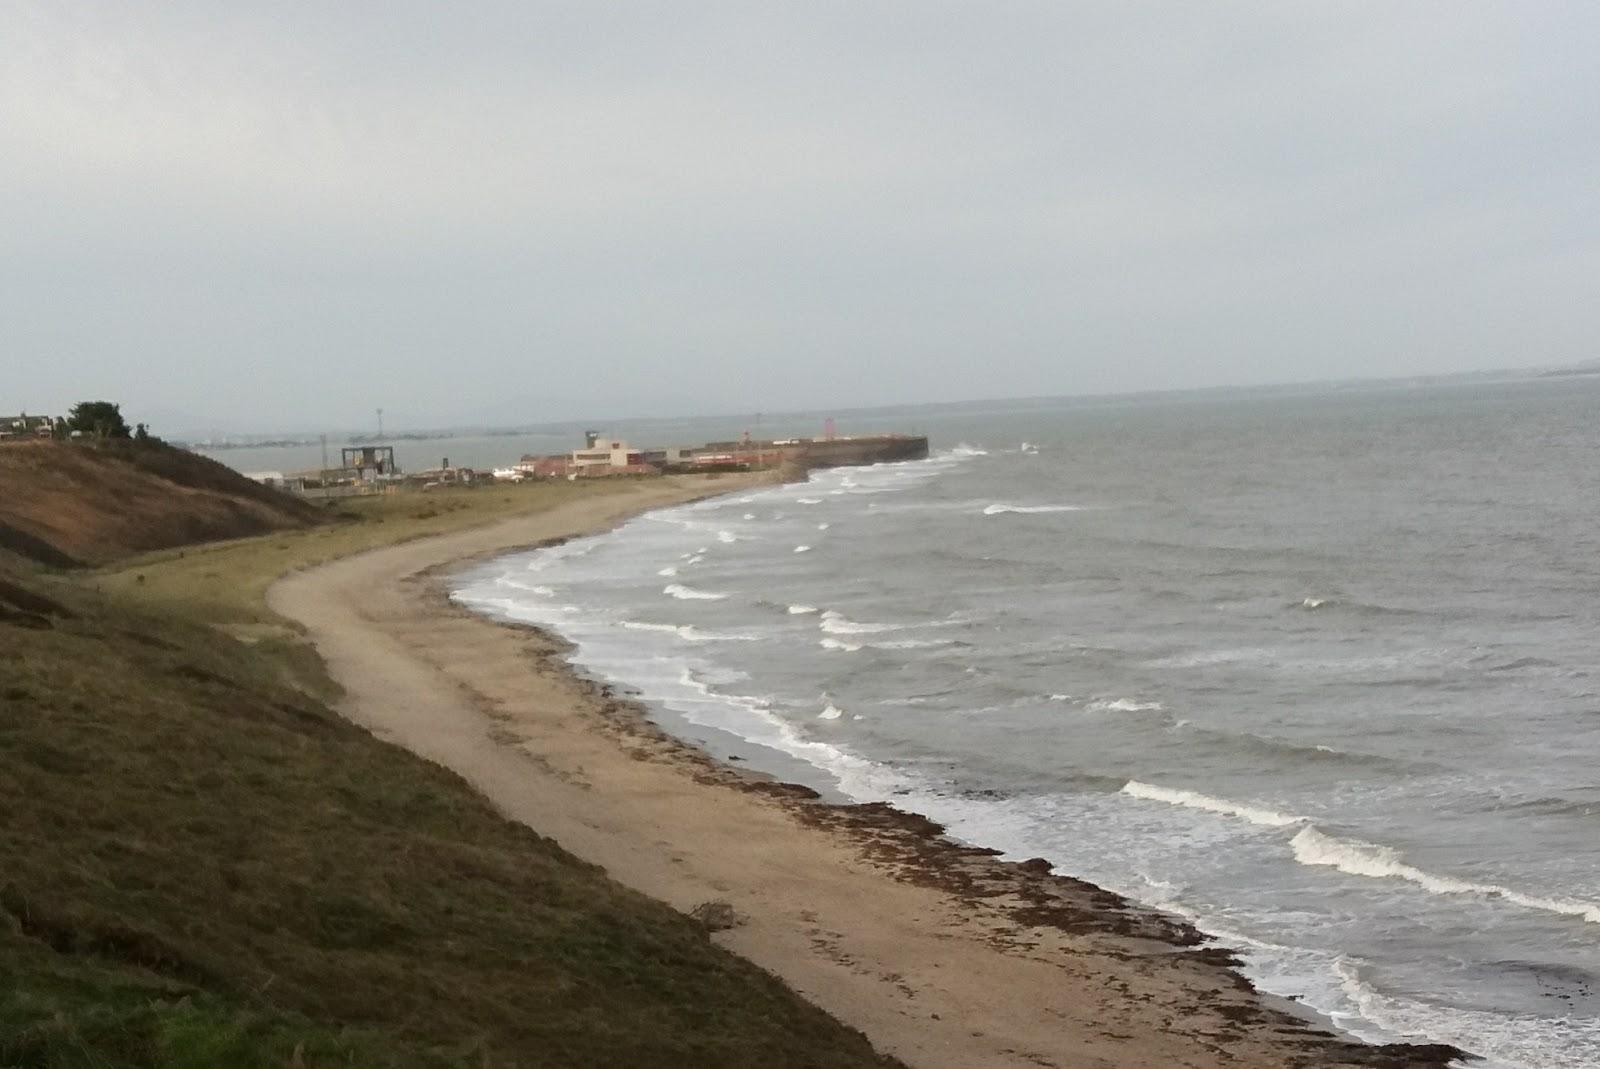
(689, 633)
(997, 509)
(1122, 705)
(836, 623)
(688, 593)
(1357, 858)
(1267, 818)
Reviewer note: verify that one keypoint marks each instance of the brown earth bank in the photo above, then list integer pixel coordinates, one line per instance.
(203, 865)
(80, 503)
(942, 954)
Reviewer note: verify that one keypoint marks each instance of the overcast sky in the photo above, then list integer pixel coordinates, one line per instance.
(284, 215)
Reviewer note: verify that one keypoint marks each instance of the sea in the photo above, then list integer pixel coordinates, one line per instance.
(1316, 669)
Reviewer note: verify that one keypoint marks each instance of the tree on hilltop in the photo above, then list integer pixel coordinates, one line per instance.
(98, 419)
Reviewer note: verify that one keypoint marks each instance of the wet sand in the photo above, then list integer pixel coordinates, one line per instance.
(942, 954)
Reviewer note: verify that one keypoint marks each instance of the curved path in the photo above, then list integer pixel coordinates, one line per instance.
(937, 954)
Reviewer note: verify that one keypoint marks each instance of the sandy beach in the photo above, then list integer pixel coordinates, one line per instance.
(943, 955)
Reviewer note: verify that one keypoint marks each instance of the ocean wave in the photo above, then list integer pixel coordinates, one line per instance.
(998, 509)
(749, 515)
(961, 451)
(668, 572)
(842, 647)
(510, 582)
(686, 593)
(1360, 608)
(809, 500)
(823, 526)
(1508, 1040)
(1355, 857)
(1122, 705)
(690, 633)
(727, 536)
(835, 623)
(802, 610)
(831, 712)
(1267, 818)
(802, 549)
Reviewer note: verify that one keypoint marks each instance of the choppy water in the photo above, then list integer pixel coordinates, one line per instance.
(1319, 672)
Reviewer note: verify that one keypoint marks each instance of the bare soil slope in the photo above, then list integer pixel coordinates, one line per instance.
(67, 503)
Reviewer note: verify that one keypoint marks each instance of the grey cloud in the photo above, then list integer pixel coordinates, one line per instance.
(283, 215)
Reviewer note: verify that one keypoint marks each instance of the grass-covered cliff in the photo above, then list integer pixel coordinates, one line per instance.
(201, 864)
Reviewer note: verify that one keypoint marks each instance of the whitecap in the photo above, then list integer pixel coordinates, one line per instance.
(842, 647)
(832, 712)
(1313, 603)
(727, 536)
(836, 623)
(685, 593)
(1357, 858)
(802, 549)
(823, 526)
(997, 509)
(749, 515)
(810, 500)
(1122, 705)
(801, 610)
(668, 571)
(1193, 800)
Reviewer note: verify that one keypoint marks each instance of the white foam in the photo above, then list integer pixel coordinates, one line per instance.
(668, 571)
(1502, 1040)
(823, 526)
(690, 633)
(1122, 705)
(639, 625)
(695, 558)
(1313, 603)
(727, 536)
(843, 647)
(749, 515)
(832, 712)
(801, 610)
(1357, 858)
(835, 623)
(997, 509)
(802, 549)
(1267, 818)
(810, 500)
(963, 450)
(686, 593)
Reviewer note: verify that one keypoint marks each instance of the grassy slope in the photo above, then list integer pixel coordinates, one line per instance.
(201, 864)
(88, 503)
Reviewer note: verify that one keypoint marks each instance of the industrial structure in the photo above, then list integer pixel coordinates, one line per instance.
(372, 469)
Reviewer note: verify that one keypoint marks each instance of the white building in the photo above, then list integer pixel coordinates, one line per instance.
(603, 452)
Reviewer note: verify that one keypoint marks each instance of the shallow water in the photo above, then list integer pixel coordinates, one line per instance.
(1316, 671)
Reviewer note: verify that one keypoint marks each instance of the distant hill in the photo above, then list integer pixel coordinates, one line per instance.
(73, 503)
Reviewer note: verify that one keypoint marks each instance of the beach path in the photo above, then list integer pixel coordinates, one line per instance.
(935, 968)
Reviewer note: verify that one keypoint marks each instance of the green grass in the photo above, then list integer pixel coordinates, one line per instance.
(201, 864)
(226, 582)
